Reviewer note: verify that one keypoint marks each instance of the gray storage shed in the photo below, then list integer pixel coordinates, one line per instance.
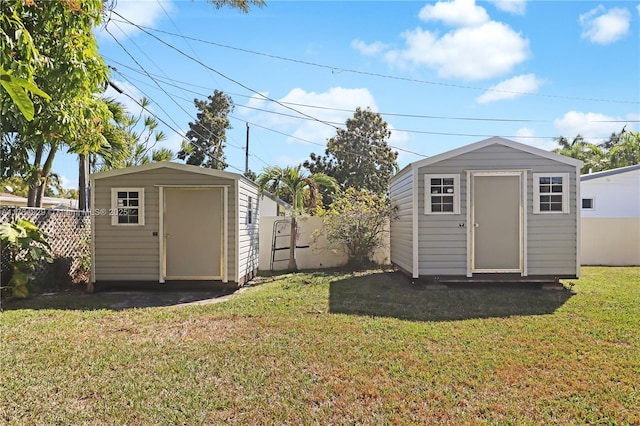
(169, 222)
(492, 210)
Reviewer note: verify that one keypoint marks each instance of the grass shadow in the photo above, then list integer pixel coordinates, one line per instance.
(393, 295)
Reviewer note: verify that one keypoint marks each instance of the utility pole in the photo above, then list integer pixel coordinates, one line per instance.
(246, 152)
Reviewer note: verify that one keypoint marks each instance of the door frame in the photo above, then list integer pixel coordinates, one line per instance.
(523, 176)
(225, 228)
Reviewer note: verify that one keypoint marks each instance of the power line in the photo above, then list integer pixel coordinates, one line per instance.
(157, 117)
(222, 74)
(393, 129)
(335, 69)
(172, 82)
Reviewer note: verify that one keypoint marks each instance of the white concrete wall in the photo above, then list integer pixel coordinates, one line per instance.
(319, 254)
(610, 241)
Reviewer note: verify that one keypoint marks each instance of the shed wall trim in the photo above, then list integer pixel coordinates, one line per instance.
(416, 228)
(163, 266)
(579, 222)
(225, 219)
(92, 204)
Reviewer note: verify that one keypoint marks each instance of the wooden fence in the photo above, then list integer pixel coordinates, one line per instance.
(69, 234)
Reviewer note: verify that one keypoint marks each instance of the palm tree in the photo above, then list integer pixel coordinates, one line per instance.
(626, 152)
(115, 144)
(591, 155)
(300, 187)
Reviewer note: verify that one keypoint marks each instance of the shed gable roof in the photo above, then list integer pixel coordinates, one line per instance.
(170, 165)
(496, 140)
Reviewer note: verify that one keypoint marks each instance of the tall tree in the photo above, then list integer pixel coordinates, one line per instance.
(302, 188)
(626, 150)
(130, 140)
(359, 156)
(17, 71)
(206, 136)
(591, 155)
(620, 150)
(243, 5)
(69, 69)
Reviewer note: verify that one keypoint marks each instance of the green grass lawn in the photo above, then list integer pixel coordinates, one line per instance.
(333, 348)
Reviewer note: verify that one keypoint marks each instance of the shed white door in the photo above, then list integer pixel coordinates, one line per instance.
(193, 233)
(496, 221)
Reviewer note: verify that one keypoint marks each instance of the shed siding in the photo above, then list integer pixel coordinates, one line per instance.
(248, 232)
(443, 242)
(132, 252)
(552, 239)
(401, 230)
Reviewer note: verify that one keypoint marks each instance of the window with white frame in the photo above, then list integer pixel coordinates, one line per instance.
(442, 194)
(127, 206)
(551, 193)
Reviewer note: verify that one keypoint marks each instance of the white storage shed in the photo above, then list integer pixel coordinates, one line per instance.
(169, 222)
(492, 210)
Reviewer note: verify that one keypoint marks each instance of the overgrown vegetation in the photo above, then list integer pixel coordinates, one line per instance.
(26, 247)
(357, 222)
(333, 348)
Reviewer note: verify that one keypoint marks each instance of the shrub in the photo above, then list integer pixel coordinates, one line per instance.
(356, 222)
(26, 246)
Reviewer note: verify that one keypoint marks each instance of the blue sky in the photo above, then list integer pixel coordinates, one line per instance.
(443, 74)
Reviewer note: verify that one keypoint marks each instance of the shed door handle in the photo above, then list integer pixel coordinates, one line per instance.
(475, 225)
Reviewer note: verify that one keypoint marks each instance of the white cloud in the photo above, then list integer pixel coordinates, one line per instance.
(287, 160)
(604, 27)
(173, 141)
(524, 134)
(479, 52)
(456, 13)
(333, 102)
(374, 48)
(511, 88)
(400, 139)
(528, 137)
(139, 12)
(255, 101)
(515, 7)
(594, 127)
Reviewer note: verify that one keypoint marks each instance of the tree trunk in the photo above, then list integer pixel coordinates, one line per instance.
(293, 266)
(83, 171)
(46, 170)
(34, 183)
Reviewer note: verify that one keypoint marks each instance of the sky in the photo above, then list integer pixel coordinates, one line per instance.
(442, 74)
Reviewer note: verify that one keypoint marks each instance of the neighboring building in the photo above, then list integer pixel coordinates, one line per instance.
(611, 217)
(495, 209)
(168, 222)
(270, 205)
(7, 199)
